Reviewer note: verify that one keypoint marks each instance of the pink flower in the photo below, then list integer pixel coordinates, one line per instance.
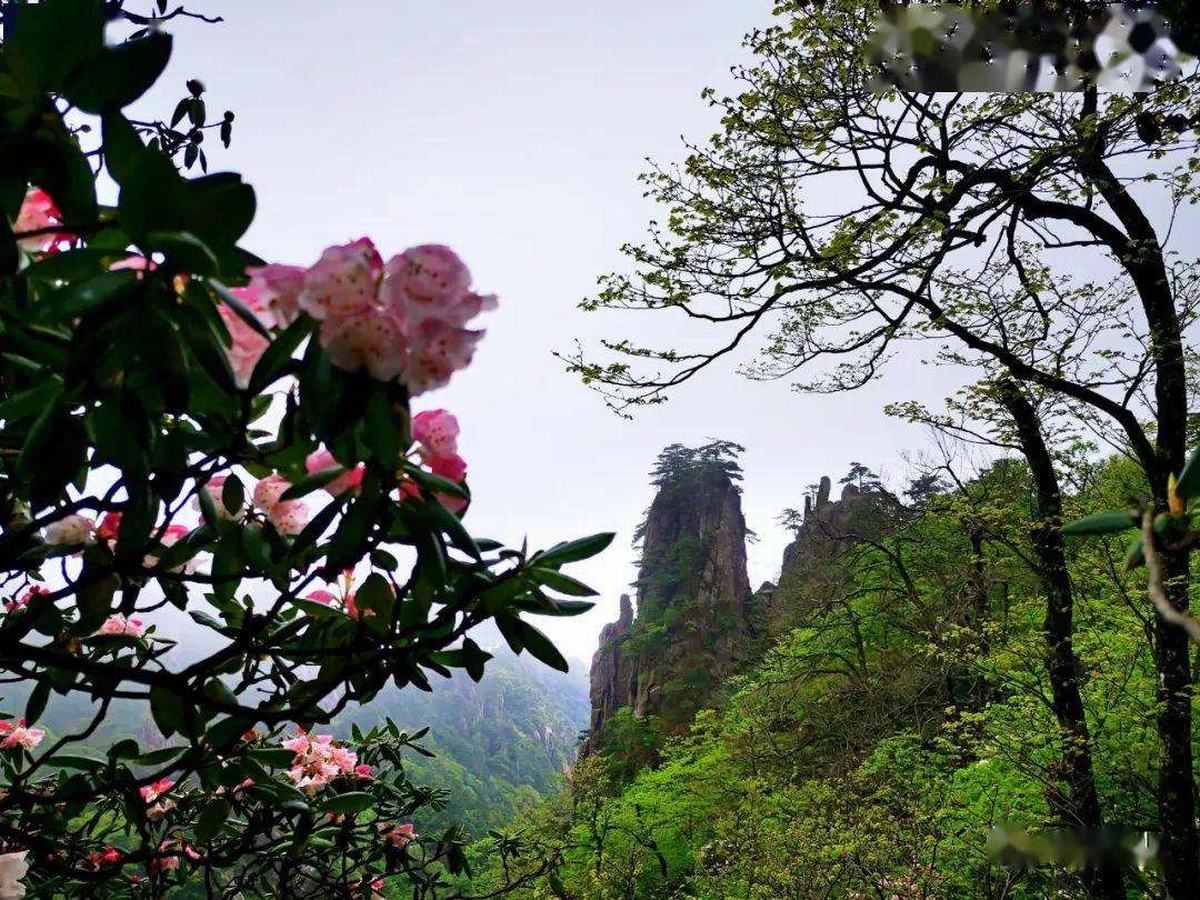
(109, 856)
(246, 345)
(431, 282)
(372, 338)
(171, 852)
(19, 735)
(317, 761)
(321, 596)
(39, 212)
(70, 531)
(171, 535)
(21, 602)
(363, 772)
(110, 524)
(438, 350)
(215, 487)
(289, 516)
(136, 263)
(451, 467)
(268, 491)
(436, 431)
(117, 624)
(322, 459)
(152, 792)
(278, 288)
(401, 835)
(343, 282)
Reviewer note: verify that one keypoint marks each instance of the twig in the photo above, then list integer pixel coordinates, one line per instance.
(1158, 594)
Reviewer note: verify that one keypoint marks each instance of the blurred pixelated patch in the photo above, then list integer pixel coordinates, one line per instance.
(1020, 849)
(1125, 47)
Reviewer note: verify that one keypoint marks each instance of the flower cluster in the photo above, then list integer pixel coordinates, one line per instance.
(288, 516)
(17, 734)
(401, 835)
(436, 434)
(118, 624)
(18, 603)
(318, 760)
(38, 213)
(171, 853)
(153, 794)
(404, 319)
(70, 531)
(247, 345)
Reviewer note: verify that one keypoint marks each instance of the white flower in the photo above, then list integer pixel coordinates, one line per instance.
(13, 867)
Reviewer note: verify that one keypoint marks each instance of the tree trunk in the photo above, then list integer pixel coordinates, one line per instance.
(1078, 805)
(1143, 258)
(1179, 850)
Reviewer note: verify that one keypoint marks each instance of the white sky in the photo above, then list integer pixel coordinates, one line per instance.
(513, 131)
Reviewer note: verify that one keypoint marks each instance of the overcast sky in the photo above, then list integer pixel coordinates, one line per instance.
(514, 132)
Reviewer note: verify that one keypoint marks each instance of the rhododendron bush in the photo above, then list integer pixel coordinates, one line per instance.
(225, 494)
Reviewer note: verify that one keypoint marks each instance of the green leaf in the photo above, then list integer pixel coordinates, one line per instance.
(1102, 523)
(168, 710)
(211, 819)
(233, 495)
(275, 359)
(118, 75)
(350, 802)
(1188, 484)
(1135, 556)
(313, 482)
(53, 37)
(574, 551)
(541, 647)
(36, 704)
(160, 756)
(557, 581)
(186, 250)
(77, 298)
(124, 151)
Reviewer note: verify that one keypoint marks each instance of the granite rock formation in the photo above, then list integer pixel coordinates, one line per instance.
(693, 602)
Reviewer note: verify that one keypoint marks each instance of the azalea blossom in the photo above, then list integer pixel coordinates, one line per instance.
(13, 867)
(109, 856)
(117, 624)
(21, 602)
(288, 516)
(371, 338)
(439, 349)
(215, 488)
(157, 805)
(431, 282)
(343, 282)
(70, 531)
(278, 289)
(171, 535)
(246, 345)
(320, 460)
(401, 835)
(39, 212)
(17, 734)
(363, 772)
(169, 861)
(318, 760)
(436, 431)
(110, 524)
(135, 263)
(403, 320)
(268, 491)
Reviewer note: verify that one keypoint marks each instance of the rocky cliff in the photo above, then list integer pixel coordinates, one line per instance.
(693, 600)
